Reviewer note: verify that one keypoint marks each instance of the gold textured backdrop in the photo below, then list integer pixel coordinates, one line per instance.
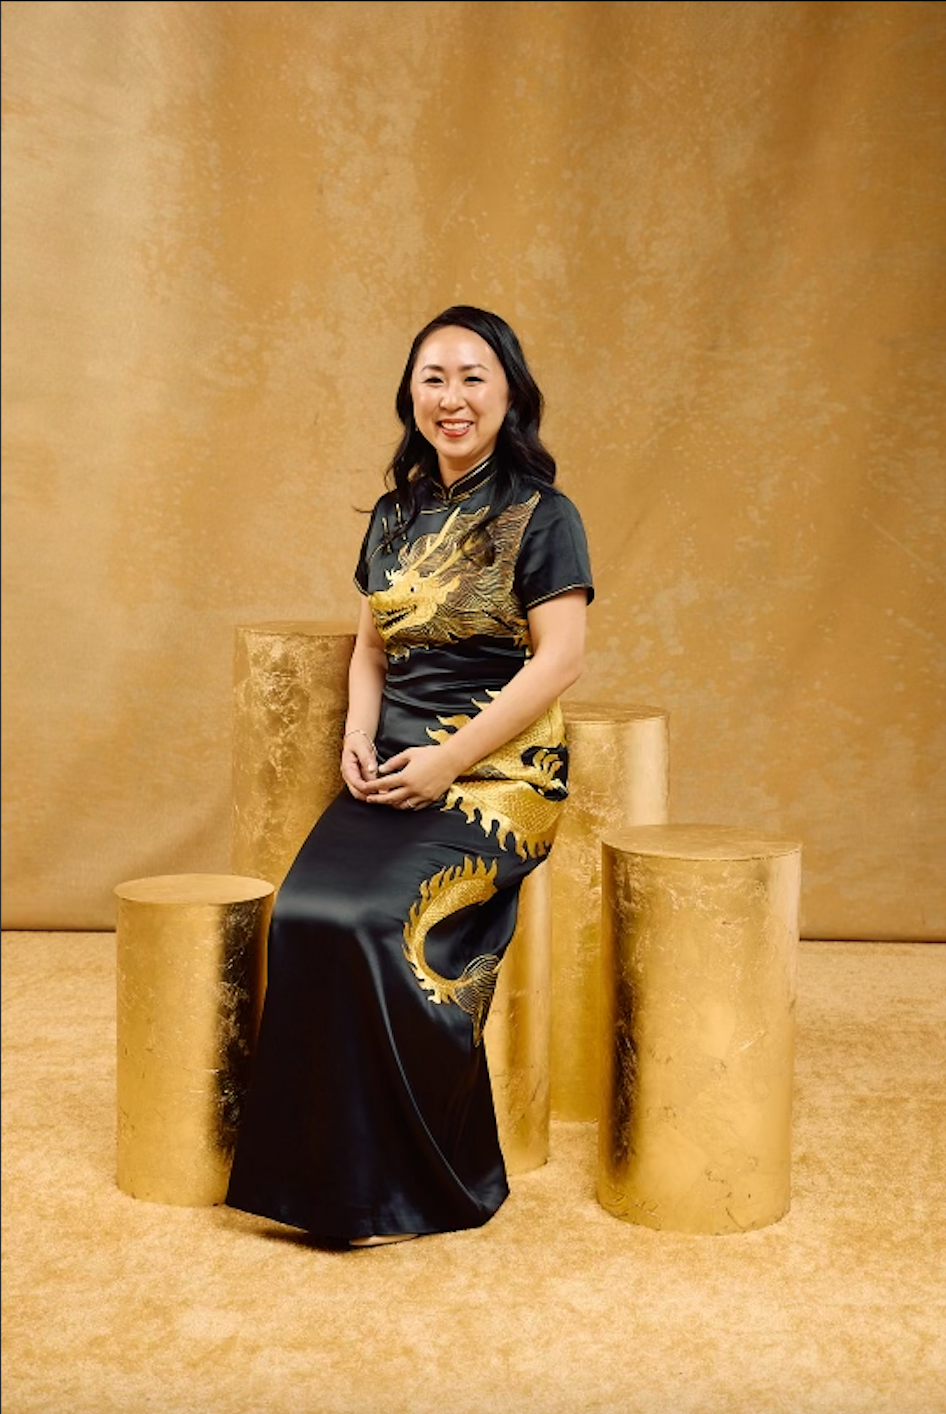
(719, 229)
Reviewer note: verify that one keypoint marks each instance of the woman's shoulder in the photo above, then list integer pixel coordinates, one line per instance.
(552, 502)
(385, 512)
(385, 503)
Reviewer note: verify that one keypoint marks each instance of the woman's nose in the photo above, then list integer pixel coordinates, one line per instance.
(452, 395)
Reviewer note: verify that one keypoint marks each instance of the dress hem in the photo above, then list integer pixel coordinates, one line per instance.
(362, 1224)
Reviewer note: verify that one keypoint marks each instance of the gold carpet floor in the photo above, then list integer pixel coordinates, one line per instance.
(116, 1306)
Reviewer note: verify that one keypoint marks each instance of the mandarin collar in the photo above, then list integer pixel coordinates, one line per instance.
(464, 485)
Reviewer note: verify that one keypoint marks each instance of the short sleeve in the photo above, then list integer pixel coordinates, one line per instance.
(369, 547)
(361, 568)
(553, 557)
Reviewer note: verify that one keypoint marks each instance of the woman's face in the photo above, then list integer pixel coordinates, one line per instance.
(460, 397)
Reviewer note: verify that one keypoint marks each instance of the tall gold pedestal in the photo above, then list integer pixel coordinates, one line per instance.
(618, 776)
(290, 700)
(519, 1027)
(191, 951)
(699, 946)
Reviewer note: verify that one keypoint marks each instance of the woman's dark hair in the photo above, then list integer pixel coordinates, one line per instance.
(520, 456)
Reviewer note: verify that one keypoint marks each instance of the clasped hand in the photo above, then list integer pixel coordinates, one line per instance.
(415, 777)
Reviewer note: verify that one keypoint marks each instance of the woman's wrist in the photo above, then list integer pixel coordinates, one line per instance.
(358, 731)
(453, 753)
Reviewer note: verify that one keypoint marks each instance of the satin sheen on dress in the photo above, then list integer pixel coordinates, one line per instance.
(369, 1109)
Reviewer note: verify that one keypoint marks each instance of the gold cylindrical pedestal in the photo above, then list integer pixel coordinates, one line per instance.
(191, 951)
(518, 1030)
(699, 946)
(618, 775)
(290, 700)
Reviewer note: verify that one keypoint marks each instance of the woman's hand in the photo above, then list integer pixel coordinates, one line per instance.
(359, 764)
(415, 777)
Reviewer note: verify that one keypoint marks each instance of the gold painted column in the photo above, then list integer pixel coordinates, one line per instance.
(618, 776)
(290, 700)
(190, 960)
(518, 1030)
(699, 947)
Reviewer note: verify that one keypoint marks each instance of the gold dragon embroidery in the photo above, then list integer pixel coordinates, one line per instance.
(440, 593)
(446, 893)
(518, 789)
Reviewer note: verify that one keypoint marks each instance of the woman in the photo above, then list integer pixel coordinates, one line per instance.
(369, 1117)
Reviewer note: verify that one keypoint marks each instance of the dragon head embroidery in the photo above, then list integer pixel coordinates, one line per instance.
(441, 593)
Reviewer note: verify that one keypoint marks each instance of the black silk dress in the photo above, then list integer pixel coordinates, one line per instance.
(369, 1109)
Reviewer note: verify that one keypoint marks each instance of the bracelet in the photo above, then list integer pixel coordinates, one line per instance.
(357, 731)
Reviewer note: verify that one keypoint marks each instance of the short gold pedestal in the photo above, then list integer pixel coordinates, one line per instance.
(191, 950)
(699, 947)
(290, 700)
(618, 776)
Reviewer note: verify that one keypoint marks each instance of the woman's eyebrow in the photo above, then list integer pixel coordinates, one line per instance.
(464, 368)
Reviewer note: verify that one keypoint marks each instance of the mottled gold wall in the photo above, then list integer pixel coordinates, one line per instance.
(719, 229)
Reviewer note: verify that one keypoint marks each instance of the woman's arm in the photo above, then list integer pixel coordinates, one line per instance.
(365, 682)
(421, 774)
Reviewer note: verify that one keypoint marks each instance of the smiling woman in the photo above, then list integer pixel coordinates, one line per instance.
(461, 397)
(370, 1116)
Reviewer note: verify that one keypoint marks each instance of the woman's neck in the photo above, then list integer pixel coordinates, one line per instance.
(449, 475)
